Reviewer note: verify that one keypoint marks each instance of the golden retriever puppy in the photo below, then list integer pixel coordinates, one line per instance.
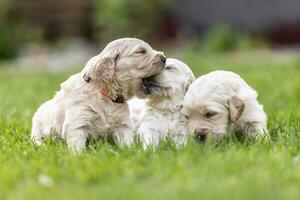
(160, 117)
(221, 102)
(93, 103)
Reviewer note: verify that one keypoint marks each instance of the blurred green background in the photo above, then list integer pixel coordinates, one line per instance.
(208, 25)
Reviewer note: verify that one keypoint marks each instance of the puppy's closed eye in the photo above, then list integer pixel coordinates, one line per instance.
(210, 114)
(186, 116)
(141, 51)
(170, 67)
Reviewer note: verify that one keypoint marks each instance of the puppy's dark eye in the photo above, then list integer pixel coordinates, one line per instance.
(170, 68)
(141, 51)
(186, 116)
(210, 114)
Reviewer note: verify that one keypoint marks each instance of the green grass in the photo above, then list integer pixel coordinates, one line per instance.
(232, 169)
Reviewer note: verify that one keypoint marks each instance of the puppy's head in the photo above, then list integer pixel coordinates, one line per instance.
(171, 83)
(123, 64)
(211, 107)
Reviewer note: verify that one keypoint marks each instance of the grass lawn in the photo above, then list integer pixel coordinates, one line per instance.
(232, 169)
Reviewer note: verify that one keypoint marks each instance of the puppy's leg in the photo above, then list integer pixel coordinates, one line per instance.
(179, 139)
(255, 129)
(124, 136)
(255, 120)
(149, 136)
(76, 127)
(36, 134)
(179, 133)
(76, 140)
(36, 131)
(41, 123)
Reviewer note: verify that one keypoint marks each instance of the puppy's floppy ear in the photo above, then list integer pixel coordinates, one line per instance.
(104, 68)
(236, 108)
(187, 82)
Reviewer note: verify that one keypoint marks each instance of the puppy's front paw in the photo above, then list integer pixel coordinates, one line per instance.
(124, 137)
(37, 140)
(75, 150)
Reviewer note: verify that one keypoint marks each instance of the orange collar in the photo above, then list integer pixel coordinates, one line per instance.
(114, 97)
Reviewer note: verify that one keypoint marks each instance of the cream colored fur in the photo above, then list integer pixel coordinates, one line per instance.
(78, 111)
(221, 102)
(158, 118)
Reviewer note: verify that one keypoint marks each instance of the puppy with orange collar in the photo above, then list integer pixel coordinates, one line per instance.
(93, 103)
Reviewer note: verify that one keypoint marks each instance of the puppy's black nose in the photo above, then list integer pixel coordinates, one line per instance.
(163, 59)
(201, 135)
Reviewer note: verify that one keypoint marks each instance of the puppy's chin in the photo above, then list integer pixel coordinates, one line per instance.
(216, 136)
(159, 66)
(140, 90)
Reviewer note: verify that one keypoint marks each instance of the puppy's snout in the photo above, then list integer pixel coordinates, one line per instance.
(201, 134)
(163, 59)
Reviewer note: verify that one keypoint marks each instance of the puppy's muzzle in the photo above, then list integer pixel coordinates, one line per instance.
(148, 83)
(163, 60)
